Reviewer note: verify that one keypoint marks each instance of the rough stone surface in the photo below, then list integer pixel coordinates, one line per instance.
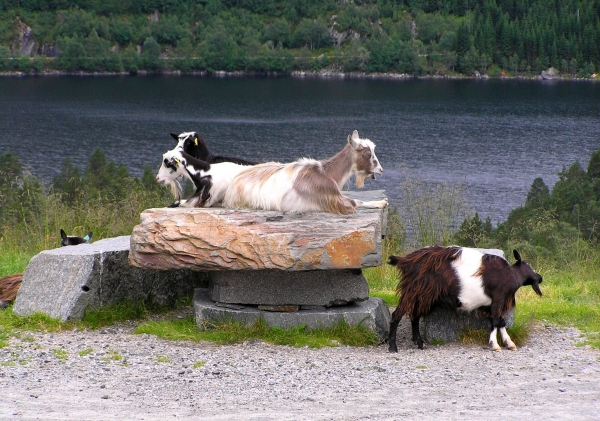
(224, 239)
(276, 287)
(446, 325)
(372, 313)
(64, 282)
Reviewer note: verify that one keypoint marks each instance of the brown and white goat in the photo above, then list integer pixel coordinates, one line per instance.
(307, 184)
(461, 278)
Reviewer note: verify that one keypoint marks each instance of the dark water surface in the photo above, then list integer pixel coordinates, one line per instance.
(492, 137)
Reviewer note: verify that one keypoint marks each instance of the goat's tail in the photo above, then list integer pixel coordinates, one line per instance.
(9, 285)
(393, 260)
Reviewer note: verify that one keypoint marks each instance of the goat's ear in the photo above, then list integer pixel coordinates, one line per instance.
(517, 256)
(63, 234)
(353, 139)
(174, 136)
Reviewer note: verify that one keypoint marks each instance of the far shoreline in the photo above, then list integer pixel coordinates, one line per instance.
(299, 75)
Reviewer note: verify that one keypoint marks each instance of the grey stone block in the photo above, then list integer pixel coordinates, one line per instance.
(276, 287)
(446, 325)
(372, 313)
(64, 282)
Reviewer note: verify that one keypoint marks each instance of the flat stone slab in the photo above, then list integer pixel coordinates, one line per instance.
(277, 287)
(217, 239)
(372, 313)
(66, 281)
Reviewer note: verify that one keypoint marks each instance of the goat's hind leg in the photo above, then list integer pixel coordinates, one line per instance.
(416, 335)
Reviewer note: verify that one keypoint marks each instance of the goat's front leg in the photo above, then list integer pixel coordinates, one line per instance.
(506, 339)
(373, 204)
(500, 323)
(416, 335)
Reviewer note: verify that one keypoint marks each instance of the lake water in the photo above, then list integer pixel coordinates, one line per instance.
(492, 137)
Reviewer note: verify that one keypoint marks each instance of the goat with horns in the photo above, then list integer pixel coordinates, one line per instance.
(301, 186)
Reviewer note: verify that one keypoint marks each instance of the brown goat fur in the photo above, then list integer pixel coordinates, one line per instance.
(9, 286)
(459, 278)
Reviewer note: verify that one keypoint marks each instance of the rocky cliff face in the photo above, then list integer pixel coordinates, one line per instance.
(24, 43)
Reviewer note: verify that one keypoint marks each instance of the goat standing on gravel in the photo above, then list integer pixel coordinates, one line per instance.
(461, 278)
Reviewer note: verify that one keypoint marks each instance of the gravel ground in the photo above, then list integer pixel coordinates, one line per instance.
(115, 375)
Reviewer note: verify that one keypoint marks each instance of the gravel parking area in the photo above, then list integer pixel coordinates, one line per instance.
(113, 374)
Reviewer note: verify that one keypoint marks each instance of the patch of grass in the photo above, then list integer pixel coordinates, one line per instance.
(60, 354)
(422, 367)
(233, 332)
(162, 359)
(124, 311)
(106, 316)
(85, 352)
(114, 355)
(199, 364)
(571, 298)
(519, 333)
(11, 325)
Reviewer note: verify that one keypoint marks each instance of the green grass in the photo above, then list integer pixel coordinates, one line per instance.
(571, 298)
(232, 332)
(12, 325)
(85, 352)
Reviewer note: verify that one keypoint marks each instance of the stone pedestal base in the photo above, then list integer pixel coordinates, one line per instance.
(324, 288)
(372, 313)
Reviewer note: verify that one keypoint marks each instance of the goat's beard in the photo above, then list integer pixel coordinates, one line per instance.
(176, 189)
(360, 180)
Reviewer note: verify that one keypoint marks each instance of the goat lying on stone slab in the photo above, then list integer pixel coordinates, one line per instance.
(301, 186)
(461, 278)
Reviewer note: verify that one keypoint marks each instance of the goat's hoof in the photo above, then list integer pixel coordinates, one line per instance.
(512, 347)
(495, 347)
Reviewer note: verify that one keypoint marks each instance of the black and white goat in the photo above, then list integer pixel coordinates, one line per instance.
(72, 240)
(211, 180)
(194, 145)
(301, 186)
(461, 278)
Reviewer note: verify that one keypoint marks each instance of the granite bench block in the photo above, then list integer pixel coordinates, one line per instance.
(66, 281)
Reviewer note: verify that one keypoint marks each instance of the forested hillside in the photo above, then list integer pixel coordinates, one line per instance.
(516, 37)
